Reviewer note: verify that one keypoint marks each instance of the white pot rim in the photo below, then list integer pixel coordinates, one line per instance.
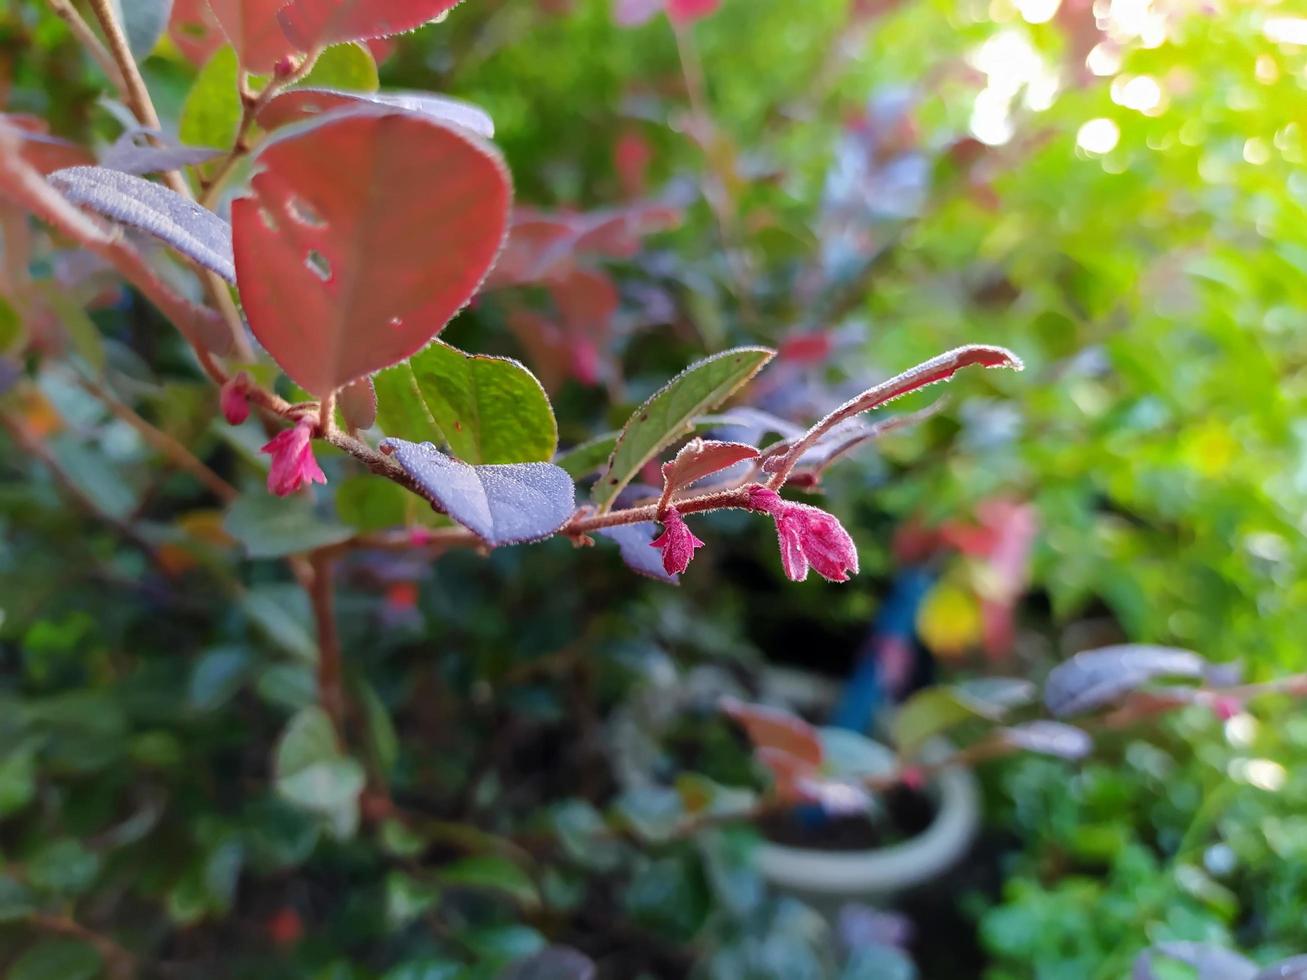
(885, 869)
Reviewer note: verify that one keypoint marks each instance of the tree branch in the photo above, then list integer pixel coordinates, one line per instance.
(331, 688)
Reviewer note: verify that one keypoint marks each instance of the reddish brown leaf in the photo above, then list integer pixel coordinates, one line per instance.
(39, 149)
(358, 404)
(194, 29)
(587, 300)
(252, 28)
(789, 771)
(699, 458)
(310, 23)
(364, 235)
(771, 728)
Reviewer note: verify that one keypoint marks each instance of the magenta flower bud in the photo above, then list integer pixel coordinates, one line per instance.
(809, 537)
(677, 543)
(233, 402)
(293, 464)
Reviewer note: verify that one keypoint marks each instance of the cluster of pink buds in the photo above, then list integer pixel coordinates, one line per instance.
(233, 401)
(293, 464)
(809, 538)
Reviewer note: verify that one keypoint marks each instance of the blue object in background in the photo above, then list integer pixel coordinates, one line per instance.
(893, 632)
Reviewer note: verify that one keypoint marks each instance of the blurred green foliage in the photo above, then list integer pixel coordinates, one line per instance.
(165, 777)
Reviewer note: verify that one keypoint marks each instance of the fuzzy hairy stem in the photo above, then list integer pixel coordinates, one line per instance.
(251, 106)
(939, 368)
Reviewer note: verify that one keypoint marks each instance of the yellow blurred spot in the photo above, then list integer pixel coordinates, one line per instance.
(1212, 449)
(949, 620)
(39, 418)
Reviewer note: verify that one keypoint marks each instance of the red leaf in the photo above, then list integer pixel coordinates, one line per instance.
(587, 301)
(252, 28)
(365, 234)
(789, 771)
(40, 150)
(310, 23)
(699, 458)
(771, 728)
(194, 30)
(358, 404)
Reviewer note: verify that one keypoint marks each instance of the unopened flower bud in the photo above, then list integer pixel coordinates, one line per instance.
(677, 543)
(233, 401)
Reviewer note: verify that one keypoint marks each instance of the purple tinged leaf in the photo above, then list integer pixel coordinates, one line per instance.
(501, 504)
(1093, 678)
(195, 232)
(1211, 962)
(133, 153)
(1049, 738)
(1294, 968)
(308, 103)
(633, 542)
(552, 963)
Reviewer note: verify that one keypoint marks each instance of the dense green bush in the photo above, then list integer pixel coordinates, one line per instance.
(174, 799)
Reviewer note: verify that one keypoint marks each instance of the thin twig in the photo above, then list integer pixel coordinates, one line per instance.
(251, 106)
(331, 689)
(138, 100)
(81, 30)
(162, 442)
(121, 962)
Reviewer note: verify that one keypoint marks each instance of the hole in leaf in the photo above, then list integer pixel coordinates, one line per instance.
(193, 30)
(395, 322)
(268, 220)
(310, 108)
(302, 211)
(317, 263)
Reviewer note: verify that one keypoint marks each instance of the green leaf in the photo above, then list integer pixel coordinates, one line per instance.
(669, 412)
(281, 612)
(211, 113)
(407, 898)
(313, 773)
(485, 409)
(368, 504)
(63, 866)
(936, 710)
(16, 900)
(82, 332)
(273, 527)
(13, 334)
(57, 959)
(492, 873)
(217, 676)
(344, 66)
(382, 739)
(589, 457)
(17, 778)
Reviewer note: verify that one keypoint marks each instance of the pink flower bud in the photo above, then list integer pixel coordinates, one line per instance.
(809, 537)
(293, 464)
(235, 406)
(284, 67)
(677, 543)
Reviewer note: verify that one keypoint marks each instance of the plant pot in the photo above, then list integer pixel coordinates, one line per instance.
(824, 878)
(828, 878)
